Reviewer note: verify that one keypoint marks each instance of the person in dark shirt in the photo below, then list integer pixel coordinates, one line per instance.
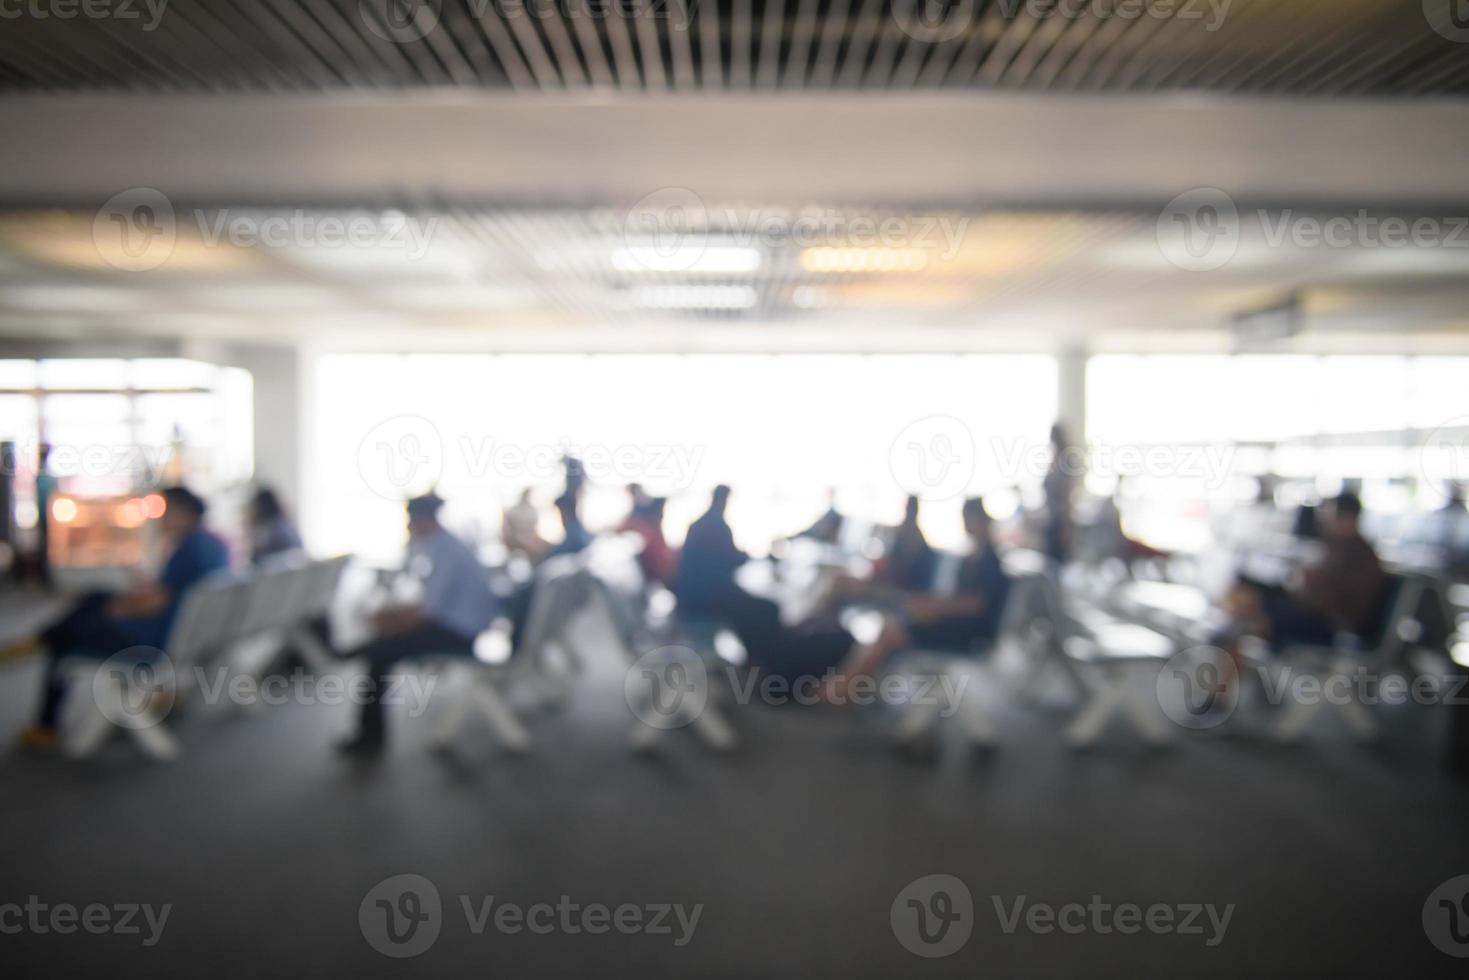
(909, 563)
(271, 532)
(959, 622)
(102, 625)
(705, 587)
(1058, 531)
(575, 537)
(827, 528)
(705, 581)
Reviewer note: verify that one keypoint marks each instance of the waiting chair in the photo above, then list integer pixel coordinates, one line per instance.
(134, 694)
(1416, 615)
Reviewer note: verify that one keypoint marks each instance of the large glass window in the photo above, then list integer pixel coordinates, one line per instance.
(1314, 422)
(782, 429)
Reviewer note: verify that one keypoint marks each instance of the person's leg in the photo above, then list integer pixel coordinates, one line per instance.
(517, 609)
(381, 656)
(84, 631)
(865, 658)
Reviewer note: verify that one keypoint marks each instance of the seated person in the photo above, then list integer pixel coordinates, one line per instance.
(705, 587)
(102, 625)
(954, 622)
(1108, 539)
(518, 526)
(1344, 590)
(827, 528)
(908, 565)
(575, 538)
(457, 605)
(657, 560)
(271, 531)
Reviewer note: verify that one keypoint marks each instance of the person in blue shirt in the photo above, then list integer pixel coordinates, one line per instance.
(456, 606)
(102, 625)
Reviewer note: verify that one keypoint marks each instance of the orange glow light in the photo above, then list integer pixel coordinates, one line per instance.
(153, 506)
(130, 514)
(64, 510)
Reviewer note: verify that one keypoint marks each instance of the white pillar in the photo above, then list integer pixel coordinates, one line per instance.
(1071, 392)
(278, 416)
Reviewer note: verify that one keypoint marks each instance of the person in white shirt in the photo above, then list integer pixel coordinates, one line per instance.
(456, 606)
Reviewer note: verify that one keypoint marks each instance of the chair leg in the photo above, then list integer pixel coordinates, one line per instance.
(91, 727)
(501, 717)
(972, 720)
(917, 719)
(455, 713)
(711, 726)
(1140, 704)
(1294, 719)
(155, 739)
(1086, 728)
(314, 652)
(1359, 718)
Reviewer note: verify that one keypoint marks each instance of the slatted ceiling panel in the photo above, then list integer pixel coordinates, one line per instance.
(1310, 47)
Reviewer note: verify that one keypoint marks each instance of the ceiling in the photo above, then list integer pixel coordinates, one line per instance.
(730, 174)
(678, 272)
(1305, 47)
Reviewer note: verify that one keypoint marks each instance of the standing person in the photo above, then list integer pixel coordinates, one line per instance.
(1057, 533)
(456, 606)
(271, 530)
(101, 625)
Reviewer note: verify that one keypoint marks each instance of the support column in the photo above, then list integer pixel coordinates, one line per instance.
(1071, 392)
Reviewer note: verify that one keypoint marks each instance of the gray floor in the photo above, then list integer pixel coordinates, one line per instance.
(265, 845)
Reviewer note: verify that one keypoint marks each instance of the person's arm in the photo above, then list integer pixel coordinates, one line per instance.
(398, 619)
(149, 600)
(929, 608)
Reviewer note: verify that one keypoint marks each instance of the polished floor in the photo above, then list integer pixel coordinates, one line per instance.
(265, 844)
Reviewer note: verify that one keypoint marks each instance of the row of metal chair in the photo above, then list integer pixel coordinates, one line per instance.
(133, 690)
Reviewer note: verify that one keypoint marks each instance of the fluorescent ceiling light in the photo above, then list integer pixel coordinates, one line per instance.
(880, 259)
(279, 297)
(73, 299)
(694, 297)
(693, 256)
(459, 296)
